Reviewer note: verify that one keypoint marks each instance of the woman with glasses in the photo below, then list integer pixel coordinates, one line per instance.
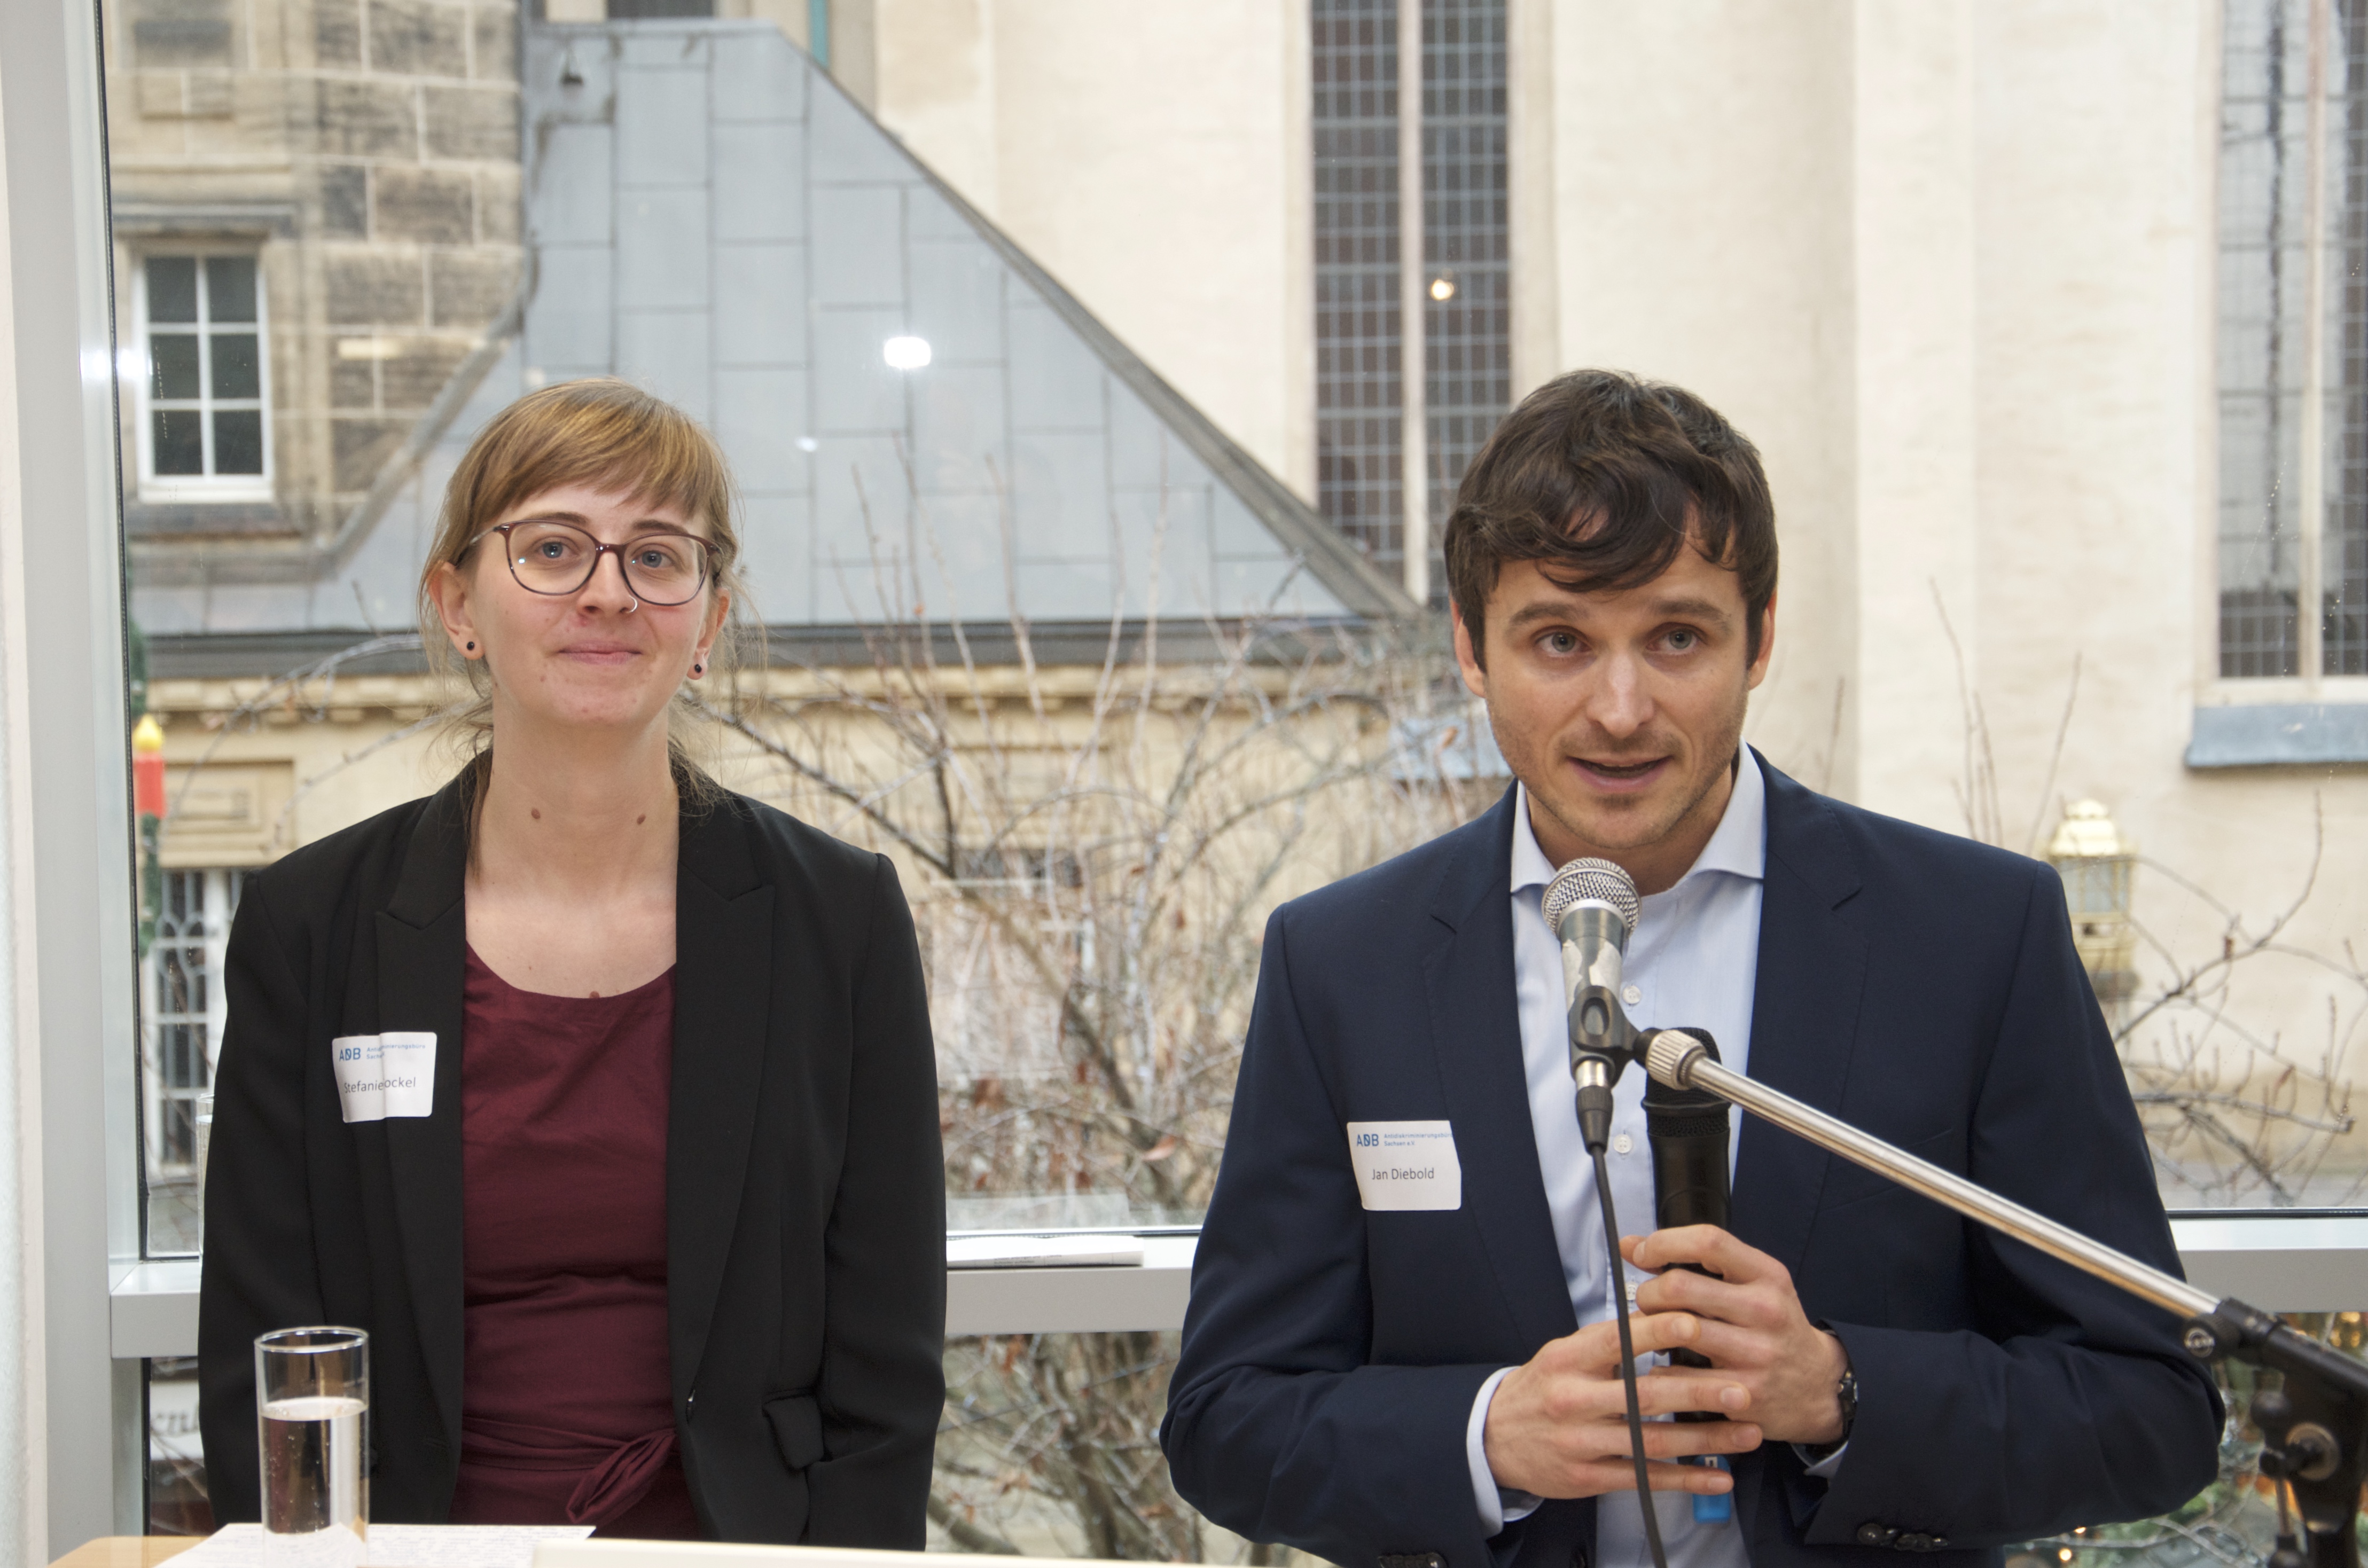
(602, 1097)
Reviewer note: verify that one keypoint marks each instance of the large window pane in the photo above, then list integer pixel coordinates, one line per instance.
(1044, 468)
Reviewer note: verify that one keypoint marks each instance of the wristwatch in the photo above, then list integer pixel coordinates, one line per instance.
(1845, 1395)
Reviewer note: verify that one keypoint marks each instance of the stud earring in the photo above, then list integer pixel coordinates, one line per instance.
(698, 670)
(473, 647)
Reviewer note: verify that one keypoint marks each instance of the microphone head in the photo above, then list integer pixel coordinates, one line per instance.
(1589, 879)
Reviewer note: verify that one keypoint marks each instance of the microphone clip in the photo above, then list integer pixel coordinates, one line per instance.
(1602, 1043)
(1600, 1029)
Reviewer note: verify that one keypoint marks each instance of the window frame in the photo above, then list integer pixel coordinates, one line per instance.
(135, 367)
(2310, 718)
(69, 903)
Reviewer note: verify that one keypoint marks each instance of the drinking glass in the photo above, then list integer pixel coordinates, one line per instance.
(312, 1388)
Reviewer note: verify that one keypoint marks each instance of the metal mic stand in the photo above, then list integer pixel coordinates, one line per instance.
(2315, 1434)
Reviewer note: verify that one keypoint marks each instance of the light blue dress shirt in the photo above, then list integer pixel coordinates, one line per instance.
(1692, 963)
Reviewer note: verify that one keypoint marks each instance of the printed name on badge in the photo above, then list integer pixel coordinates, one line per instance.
(1405, 1164)
(380, 1075)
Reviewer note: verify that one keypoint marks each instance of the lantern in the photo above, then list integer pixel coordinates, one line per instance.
(148, 767)
(2096, 860)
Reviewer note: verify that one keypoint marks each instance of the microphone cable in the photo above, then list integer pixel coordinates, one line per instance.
(1627, 1357)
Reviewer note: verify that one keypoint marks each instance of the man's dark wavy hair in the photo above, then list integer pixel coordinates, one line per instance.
(1594, 477)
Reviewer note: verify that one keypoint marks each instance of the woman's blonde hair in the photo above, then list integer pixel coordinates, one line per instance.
(609, 434)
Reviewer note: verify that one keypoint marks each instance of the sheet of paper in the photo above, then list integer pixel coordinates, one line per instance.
(401, 1546)
(1042, 1252)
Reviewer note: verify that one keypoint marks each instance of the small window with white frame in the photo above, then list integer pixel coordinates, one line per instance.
(205, 430)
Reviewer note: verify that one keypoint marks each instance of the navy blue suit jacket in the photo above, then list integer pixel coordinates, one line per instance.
(1920, 986)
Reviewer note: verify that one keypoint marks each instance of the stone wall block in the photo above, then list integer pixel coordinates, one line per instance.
(419, 38)
(468, 289)
(496, 27)
(344, 200)
(353, 383)
(159, 94)
(498, 210)
(209, 95)
(473, 122)
(435, 205)
(410, 381)
(360, 446)
(367, 120)
(338, 34)
(373, 288)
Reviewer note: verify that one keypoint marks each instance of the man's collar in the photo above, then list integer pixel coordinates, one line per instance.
(1738, 847)
(1531, 866)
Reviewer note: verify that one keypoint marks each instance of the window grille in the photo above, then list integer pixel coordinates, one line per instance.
(2345, 626)
(2293, 339)
(205, 433)
(1359, 395)
(1457, 244)
(1467, 309)
(185, 1015)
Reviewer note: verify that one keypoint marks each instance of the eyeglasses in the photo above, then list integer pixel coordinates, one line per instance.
(551, 557)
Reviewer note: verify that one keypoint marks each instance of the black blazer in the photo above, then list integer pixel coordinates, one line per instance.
(1917, 985)
(805, 1208)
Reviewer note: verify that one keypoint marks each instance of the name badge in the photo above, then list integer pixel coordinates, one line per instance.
(1405, 1164)
(380, 1075)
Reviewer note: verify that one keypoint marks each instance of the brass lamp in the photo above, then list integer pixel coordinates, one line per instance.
(2096, 861)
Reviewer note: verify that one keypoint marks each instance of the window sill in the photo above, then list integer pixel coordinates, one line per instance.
(153, 1305)
(2280, 734)
(2285, 1263)
(150, 518)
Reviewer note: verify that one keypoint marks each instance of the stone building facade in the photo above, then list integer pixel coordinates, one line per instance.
(364, 155)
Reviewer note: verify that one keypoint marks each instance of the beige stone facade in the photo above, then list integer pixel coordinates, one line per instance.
(365, 153)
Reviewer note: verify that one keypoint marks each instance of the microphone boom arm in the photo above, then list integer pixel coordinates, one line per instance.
(2315, 1435)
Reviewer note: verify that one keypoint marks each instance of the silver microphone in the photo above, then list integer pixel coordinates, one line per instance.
(1592, 905)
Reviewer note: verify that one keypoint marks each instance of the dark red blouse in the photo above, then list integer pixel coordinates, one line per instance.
(566, 1411)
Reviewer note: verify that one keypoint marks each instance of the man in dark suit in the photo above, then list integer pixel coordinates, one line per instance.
(1407, 1360)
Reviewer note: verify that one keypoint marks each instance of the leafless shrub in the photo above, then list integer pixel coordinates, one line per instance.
(1091, 852)
(2234, 1111)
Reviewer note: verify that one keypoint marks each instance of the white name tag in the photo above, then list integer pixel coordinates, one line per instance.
(380, 1075)
(1405, 1164)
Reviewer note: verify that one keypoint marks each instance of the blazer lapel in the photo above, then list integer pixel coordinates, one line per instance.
(421, 937)
(1812, 973)
(724, 976)
(1476, 1035)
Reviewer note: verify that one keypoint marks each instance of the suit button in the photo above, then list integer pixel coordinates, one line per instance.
(1874, 1534)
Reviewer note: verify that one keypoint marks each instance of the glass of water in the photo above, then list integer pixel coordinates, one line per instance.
(312, 1388)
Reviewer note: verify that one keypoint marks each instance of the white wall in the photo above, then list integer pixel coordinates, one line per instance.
(1703, 199)
(1154, 157)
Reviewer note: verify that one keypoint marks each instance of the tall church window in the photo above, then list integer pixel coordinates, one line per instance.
(2292, 535)
(1411, 264)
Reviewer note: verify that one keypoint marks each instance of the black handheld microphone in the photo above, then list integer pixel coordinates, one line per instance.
(1591, 906)
(1687, 1129)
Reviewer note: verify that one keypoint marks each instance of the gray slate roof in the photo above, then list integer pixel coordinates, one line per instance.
(708, 215)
